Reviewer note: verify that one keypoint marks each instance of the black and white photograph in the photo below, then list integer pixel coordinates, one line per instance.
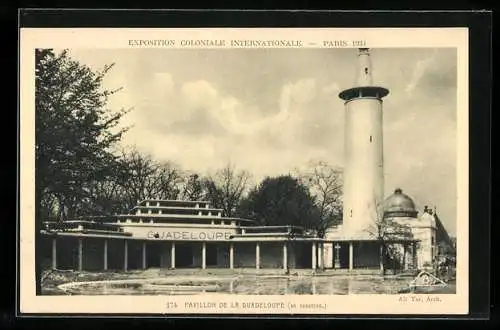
(225, 166)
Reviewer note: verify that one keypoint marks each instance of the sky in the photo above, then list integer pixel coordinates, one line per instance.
(270, 111)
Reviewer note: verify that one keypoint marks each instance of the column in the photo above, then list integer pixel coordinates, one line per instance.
(313, 257)
(203, 255)
(414, 255)
(257, 255)
(351, 255)
(172, 255)
(409, 257)
(54, 253)
(285, 256)
(329, 255)
(144, 256)
(231, 255)
(125, 255)
(381, 256)
(320, 255)
(337, 255)
(105, 258)
(405, 260)
(80, 254)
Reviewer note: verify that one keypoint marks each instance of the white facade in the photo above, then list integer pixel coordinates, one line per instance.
(423, 229)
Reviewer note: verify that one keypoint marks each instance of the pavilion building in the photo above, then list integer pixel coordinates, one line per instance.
(183, 234)
(177, 234)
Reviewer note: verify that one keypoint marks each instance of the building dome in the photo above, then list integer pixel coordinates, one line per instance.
(399, 205)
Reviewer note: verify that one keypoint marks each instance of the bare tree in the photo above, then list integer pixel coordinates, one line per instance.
(325, 184)
(169, 180)
(147, 178)
(104, 197)
(226, 188)
(387, 231)
(192, 189)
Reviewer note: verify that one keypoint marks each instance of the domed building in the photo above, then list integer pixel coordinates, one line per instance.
(425, 227)
(399, 205)
(416, 238)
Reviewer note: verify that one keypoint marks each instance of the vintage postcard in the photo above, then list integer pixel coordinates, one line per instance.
(244, 171)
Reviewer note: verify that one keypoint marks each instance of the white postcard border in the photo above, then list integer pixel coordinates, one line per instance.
(31, 38)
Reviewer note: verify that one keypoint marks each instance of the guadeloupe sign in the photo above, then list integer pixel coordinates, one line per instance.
(181, 234)
(189, 236)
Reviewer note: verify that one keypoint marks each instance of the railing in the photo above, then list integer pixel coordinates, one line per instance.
(291, 231)
(80, 226)
(105, 232)
(175, 202)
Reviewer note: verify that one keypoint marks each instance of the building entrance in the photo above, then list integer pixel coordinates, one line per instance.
(183, 256)
(211, 255)
(153, 255)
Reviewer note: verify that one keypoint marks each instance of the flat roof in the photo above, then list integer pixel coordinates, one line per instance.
(70, 221)
(234, 238)
(88, 232)
(273, 238)
(93, 235)
(269, 235)
(282, 237)
(276, 227)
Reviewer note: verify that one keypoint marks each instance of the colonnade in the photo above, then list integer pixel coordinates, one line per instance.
(317, 255)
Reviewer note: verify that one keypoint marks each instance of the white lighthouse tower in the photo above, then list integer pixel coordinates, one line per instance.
(364, 162)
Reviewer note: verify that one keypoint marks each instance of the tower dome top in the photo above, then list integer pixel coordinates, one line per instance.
(399, 205)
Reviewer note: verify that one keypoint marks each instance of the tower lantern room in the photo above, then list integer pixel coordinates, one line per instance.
(364, 77)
